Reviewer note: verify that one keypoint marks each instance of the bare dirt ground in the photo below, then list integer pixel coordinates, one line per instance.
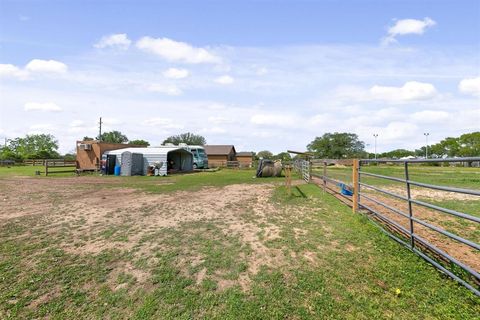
(88, 218)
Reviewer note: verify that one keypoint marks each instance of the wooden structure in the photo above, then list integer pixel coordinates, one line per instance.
(220, 155)
(39, 162)
(288, 178)
(89, 153)
(356, 185)
(52, 166)
(245, 159)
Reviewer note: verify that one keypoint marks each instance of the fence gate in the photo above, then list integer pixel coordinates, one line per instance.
(303, 168)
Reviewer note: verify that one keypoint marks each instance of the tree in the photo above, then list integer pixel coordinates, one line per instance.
(337, 145)
(396, 154)
(113, 137)
(469, 144)
(35, 146)
(284, 156)
(448, 147)
(86, 138)
(265, 154)
(70, 156)
(187, 138)
(139, 143)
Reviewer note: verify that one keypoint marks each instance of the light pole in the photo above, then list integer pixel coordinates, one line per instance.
(375, 135)
(426, 134)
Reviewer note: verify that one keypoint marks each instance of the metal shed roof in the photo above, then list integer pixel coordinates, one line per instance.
(146, 151)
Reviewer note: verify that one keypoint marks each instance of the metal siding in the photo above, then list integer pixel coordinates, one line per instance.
(150, 156)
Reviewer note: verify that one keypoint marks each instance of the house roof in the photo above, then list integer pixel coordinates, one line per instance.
(245, 154)
(219, 149)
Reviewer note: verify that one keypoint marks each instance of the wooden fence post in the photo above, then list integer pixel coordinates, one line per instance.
(324, 176)
(355, 185)
(46, 168)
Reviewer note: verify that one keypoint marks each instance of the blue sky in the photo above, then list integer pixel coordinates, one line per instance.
(257, 74)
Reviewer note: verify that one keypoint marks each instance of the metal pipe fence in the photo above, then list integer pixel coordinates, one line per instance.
(303, 168)
(409, 235)
(403, 224)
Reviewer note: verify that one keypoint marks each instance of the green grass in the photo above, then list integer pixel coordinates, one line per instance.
(6, 172)
(191, 181)
(354, 273)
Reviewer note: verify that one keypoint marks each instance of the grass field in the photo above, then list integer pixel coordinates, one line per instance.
(206, 245)
(460, 177)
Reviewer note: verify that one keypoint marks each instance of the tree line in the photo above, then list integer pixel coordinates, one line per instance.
(344, 145)
(337, 145)
(45, 146)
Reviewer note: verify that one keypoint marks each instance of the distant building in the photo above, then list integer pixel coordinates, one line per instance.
(219, 155)
(89, 153)
(245, 159)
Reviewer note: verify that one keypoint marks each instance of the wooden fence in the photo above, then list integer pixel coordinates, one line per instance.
(41, 162)
(52, 166)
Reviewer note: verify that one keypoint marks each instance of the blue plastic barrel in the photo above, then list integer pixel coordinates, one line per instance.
(116, 171)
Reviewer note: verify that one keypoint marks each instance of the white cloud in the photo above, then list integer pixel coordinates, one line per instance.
(216, 106)
(41, 128)
(220, 120)
(46, 107)
(397, 130)
(165, 89)
(262, 71)
(112, 121)
(321, 119)
(214, 130)
(53, 66)
(224, 80)
(174, 73)
(273, 119)
(407, 26)
(411, 90)
(9, 70)
(164, 123)
(77, 124)
(470, 86)
(172, 50)
(430, 116)
(119, 41)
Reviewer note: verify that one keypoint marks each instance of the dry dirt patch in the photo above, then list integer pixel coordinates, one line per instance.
(89, 220)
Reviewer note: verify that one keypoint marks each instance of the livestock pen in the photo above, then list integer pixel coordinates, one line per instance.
(419, 205)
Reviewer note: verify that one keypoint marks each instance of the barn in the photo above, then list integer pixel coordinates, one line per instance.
(218, 155)
(90, 152)
(245, 159)
(167, 159)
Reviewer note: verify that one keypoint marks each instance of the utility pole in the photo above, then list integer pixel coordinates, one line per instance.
(100, 130)
(426, 134)
(375, 135)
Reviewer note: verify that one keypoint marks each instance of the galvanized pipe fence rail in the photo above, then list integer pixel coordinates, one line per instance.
(408, 235)
(303, 168)
(413, 237)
